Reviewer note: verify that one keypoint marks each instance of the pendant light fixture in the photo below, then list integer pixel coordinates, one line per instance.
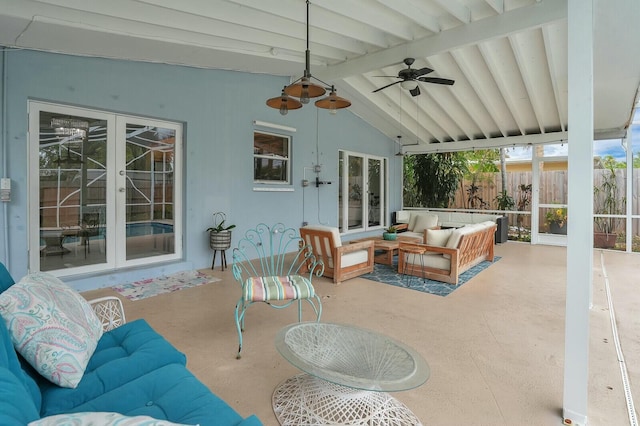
(284, 103)
(304, 89)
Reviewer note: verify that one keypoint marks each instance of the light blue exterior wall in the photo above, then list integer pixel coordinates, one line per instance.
(217, 108)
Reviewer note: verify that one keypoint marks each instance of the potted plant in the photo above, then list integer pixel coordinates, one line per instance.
(219, 233)
(607, 202)
(390, 234)
(556, 219)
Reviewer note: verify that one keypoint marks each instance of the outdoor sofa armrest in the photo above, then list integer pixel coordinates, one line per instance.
(432, 249)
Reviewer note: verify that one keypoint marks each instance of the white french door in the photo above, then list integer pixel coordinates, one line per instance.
(104, 190)
(362, 193)
(550, 200)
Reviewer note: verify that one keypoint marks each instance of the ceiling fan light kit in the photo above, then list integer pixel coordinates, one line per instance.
(304, 89)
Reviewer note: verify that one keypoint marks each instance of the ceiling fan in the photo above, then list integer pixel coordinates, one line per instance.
(409, 78)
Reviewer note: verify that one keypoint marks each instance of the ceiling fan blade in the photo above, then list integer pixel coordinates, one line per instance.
(437, 80)
(388, 76)
(384, 87)
(423, 71)
(415, 92)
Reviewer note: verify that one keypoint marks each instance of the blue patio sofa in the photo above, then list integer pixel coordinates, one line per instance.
(134, 371)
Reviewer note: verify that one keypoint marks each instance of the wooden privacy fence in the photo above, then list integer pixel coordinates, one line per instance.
(553, 189)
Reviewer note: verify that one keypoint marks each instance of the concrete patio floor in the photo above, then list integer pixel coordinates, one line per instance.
(495, 345)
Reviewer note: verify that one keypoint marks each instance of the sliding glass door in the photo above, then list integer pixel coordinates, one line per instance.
(103, 190)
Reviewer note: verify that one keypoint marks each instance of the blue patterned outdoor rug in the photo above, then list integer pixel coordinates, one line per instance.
(388, 275)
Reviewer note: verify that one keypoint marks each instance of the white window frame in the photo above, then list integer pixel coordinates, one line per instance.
(285, 159)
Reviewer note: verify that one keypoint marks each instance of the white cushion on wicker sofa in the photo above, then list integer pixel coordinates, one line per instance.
(417, 221)
(443, 261)
(348, 259)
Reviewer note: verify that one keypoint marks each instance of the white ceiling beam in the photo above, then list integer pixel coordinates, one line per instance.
(416, 12)
(455, 8)
(464, 35)
(386, 119)
(464, 94)
(552, 62)
(405, 103)
(320, 18)
(479, 144)
(497, 5)
(534, 98)
(480, 89)
(500, 81)
(366, 13)
(219, 10)
(125, 17)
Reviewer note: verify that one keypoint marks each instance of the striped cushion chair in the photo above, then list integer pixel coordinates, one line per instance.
(274, 266)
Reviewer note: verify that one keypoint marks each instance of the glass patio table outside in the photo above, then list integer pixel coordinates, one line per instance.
(349, 371)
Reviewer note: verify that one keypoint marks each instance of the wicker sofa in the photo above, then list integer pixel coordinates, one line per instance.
(448, 252)
(416, 221)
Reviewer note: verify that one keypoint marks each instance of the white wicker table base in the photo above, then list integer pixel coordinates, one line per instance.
(307, 400)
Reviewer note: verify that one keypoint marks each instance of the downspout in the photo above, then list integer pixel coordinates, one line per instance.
(3, 143)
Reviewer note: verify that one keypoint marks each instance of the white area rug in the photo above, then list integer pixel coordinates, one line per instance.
(165, 284)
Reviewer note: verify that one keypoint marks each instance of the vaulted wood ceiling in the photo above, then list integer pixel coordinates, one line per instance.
(508, 57)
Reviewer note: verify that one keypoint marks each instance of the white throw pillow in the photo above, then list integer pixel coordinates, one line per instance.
(438, 237)
(100, 418)
(425, 221)
(52, 326)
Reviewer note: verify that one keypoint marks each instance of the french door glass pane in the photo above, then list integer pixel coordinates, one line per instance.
(150, 194)
(356, 181)
(72, 181)
(375, 192)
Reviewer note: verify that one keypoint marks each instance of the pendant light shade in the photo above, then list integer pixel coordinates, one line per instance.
(333, 102)
(284, 103)
(304, 89)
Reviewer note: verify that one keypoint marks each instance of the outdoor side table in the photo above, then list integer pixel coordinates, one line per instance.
(349, 371)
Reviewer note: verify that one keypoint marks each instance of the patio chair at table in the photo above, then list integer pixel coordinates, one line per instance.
(274, 265)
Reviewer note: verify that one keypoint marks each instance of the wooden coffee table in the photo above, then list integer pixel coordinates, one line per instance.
(387, 248)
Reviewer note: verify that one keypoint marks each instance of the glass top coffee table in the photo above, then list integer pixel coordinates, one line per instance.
(349, 371)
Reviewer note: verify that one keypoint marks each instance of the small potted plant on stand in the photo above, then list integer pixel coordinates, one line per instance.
(390, 234)
(219, 237)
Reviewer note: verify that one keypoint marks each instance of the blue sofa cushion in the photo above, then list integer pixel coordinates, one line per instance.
(6, 280)
(169, 393)
(9, 360)
(16, 404)
(123, 354)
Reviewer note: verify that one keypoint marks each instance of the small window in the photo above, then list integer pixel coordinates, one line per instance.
(271, 154)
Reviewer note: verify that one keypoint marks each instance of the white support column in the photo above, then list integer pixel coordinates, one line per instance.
(580, 211)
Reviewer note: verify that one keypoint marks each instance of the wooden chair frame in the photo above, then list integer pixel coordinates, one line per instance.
(324, 247)
(472, 249)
